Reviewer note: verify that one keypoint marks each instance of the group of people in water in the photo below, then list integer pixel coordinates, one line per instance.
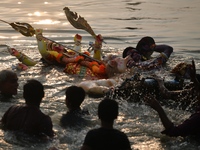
(31, 120)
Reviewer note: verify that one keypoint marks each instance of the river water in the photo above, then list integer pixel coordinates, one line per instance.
(122, 23)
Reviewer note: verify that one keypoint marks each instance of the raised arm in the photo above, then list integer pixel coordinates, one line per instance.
(153, 103)
(166, 49)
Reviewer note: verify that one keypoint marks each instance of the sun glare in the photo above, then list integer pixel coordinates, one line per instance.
(2, 37)
(37, 13)
(14, 37)
(47, 21)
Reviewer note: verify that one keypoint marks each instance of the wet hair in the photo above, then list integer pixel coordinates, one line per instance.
(108, 110)
(145, 41)
(74, 96)
(33, 92)
(126, 50)
(4, 74)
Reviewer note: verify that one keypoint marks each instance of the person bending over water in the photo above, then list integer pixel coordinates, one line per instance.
(73, 118)
(106, 137)
(28, 118)
(8, 84)
(190, 126)
(142, 54)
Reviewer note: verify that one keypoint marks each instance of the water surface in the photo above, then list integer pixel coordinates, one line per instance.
(122, 23)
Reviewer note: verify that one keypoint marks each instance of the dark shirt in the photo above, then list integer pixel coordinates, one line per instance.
(74, 119)
(190, 126)
(151, 63)
(107, 139)
(28, 119)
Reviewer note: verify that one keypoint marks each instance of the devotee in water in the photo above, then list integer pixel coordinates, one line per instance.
(8, 84)
(191, 126)
(28, 118)
(106, 137)
(74, 117)
(142, 54)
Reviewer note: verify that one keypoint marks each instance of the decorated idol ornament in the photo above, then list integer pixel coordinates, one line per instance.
(27, 30)
(77, 42)
(24, 28)
(79, 22)
(21, 57)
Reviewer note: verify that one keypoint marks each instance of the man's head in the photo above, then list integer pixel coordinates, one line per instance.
(74, 96)
(8, 82)
(146, 46)
(33, 92)
(132, 52)
(108, 110)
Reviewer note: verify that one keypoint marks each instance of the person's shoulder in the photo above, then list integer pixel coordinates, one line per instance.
(94, 132)
(73, 120)
(64, 117)
(24, 108)
(83, 112)
(76, 113)
(37, 112)
(103, 130)
(67, 116)
(16, 107)
(118, 131)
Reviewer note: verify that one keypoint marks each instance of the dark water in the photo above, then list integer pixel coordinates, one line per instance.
(122, 23)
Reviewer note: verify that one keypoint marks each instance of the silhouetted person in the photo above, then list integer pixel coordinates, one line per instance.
(143, 52)
(28, 118)
(190, 126)
(106, 137)
(74, 117)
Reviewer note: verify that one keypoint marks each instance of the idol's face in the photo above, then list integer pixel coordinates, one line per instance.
(119, 63)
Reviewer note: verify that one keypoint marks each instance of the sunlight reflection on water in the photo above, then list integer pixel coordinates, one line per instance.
(122, 24)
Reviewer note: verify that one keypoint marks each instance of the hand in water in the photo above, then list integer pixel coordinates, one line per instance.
(152, 102)
(163, 90)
